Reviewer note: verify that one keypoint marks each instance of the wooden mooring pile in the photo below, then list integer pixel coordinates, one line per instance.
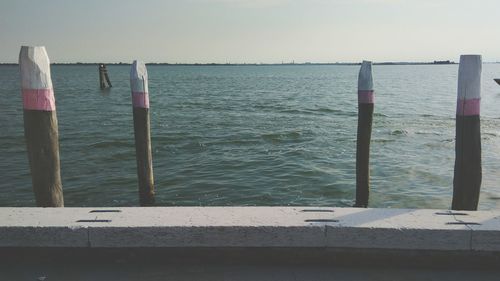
(42, 137)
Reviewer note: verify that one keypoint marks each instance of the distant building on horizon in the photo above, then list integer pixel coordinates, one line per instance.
(443, 62)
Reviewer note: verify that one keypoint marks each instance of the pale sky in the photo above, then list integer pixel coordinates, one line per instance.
(253, 31)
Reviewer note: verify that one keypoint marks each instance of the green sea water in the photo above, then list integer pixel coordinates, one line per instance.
(254, 135)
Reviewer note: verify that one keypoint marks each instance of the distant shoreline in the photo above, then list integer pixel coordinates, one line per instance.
(259, 64)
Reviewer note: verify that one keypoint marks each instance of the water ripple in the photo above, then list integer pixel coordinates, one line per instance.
(250, 135)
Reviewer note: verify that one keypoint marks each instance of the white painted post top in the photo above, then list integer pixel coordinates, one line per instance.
(469, 77)
(365, 79)
(139, 77)
(35, 68)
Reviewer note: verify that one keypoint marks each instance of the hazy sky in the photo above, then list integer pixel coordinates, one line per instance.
(254, 31)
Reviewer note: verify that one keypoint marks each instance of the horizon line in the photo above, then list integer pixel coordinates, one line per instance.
(435, 62)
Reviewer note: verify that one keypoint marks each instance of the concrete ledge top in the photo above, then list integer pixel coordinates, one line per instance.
(358, 228)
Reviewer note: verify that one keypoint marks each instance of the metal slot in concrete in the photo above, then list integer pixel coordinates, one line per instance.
(463, 223)
(317, 211)
(321, 220)
(93, 221)
(451, 214)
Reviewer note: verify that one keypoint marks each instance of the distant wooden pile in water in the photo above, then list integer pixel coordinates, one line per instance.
(103, 77)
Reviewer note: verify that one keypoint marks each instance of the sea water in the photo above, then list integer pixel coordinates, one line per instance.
(254, 135)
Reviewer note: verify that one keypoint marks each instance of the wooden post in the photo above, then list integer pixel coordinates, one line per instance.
(140, 104)
(40, 126)
(467, 176)
(102, 84)
(103, 77)
(365, 117)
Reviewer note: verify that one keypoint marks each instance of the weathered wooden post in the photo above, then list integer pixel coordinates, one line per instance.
(140, 103)
(365, 117)
(40, 126)
(103, 77)
(467, 176)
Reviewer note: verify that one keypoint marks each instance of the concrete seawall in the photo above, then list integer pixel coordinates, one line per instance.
(248, 243)
(251, 227)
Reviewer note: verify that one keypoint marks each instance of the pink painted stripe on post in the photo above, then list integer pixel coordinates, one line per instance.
(39, 99)
(468, 107)
(140, 99)
(366, 96)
